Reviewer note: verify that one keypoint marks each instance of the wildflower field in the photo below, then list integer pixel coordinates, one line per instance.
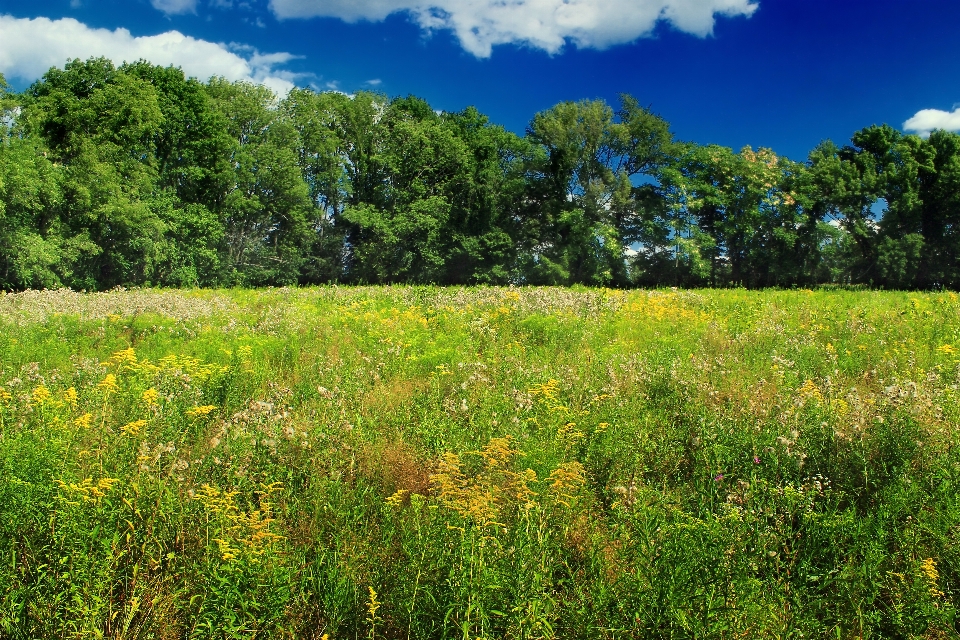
(404, 462)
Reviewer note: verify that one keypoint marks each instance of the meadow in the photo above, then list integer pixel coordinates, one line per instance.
(467, 463)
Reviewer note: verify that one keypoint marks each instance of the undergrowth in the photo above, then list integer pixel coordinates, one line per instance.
(409, 462)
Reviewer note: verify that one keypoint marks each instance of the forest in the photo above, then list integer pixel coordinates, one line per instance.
(138, 176)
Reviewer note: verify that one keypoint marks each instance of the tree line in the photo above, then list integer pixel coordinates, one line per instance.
(139, 176)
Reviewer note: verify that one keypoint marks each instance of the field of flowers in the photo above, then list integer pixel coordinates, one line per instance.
(405, 462)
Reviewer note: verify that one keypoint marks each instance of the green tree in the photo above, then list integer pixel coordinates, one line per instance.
(592, 156)
(98, 124)
(428, 197)
(940, 213)
(487, 221)
(398, 234)
(7, 103)
(677, 242)
(880, 166)
(726, 217)
(322, 155)
(767, 234)
(402, 245)
(192, 147)
(36, 250)
(266, 209)
(898, 166)
(191, 151)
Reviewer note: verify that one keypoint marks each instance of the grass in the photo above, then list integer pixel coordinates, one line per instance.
(409, 462)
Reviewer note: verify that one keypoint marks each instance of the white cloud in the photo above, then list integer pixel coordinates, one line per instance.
(173, 7)
(926, 120)
(31, 46)
(543, 24)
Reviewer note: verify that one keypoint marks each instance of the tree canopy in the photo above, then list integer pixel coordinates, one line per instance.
(137, 175)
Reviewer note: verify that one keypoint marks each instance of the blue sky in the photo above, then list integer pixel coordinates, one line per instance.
(784, 74)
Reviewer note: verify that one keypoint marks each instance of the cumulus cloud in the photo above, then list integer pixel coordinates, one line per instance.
(926, 120)
(543, 24)
(31, 46)
(174, 7)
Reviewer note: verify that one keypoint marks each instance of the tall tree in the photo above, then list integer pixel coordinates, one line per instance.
(191, 151)
(488, 219)
(592, 157)
(398, 234)
(940, 213)
(881, 166)
(36, 251)
(319, 120)
(98, 123)
(266, 209)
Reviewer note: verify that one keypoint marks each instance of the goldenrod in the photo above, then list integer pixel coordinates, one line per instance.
(928, 568)
(151, 397)
(40, 395)
(133, 428)
(109, 384)
(84, 421)
(196, 412)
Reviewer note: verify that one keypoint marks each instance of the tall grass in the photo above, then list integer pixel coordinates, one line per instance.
(479, 463)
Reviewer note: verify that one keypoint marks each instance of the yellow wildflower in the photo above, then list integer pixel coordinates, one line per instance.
(227, 552)
(480, 495)
(570, 432)
(196, 412)
(70, 395)
(929, 569)
(5, 395)
(87, 490)
(548, 390)
(125, 356)
(133, 428)
(105, 484)
(84, 421)
(40, 395)
(841, 407)
(809, 390)
(471, 499)
(397, 498)
(947, 349)
(151, 397)
(566, 481)
(373, 605)
(109, 384)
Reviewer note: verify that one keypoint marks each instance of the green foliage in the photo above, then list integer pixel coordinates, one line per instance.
(426, 462)
(911, 242)
(139, 176)
(399, 246)
(587, 197)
